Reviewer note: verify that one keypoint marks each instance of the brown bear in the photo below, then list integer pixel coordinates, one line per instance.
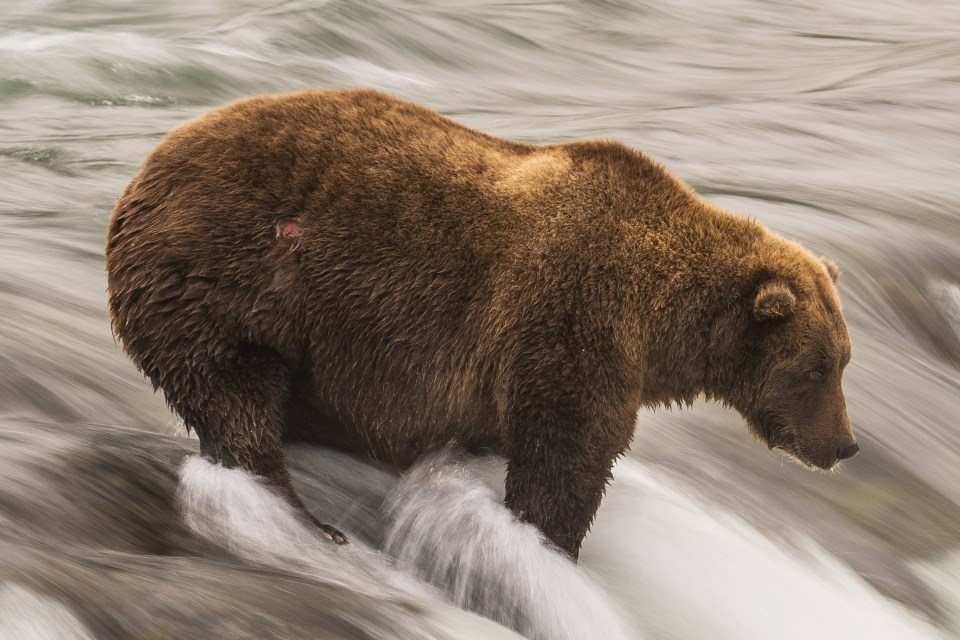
(346, 268)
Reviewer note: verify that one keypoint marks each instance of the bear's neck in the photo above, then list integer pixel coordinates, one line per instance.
(689, 269)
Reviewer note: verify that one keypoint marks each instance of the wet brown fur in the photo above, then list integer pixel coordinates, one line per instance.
(347, 268)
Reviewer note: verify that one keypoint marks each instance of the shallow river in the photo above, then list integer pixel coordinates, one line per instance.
(838, 126)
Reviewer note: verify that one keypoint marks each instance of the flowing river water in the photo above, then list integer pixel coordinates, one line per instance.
(836, 124)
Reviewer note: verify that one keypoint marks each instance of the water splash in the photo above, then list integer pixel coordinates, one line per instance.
(679, 568)
(451, 529)
(233, 509)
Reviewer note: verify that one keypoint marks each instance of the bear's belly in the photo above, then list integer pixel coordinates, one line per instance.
(388, 427)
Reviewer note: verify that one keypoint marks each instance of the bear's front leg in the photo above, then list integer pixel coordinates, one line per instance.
(560, 452)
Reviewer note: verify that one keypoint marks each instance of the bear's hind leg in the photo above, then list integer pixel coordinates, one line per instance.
(237, 406)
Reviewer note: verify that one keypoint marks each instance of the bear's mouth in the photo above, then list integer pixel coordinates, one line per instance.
(778, 434)
(805, 461)
(794, 449)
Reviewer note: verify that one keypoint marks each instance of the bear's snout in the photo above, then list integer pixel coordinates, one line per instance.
(848, 451)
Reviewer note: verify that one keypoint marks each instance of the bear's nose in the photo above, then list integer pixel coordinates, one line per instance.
(848, 451)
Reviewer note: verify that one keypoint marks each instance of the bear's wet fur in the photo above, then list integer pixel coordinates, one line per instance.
(347, 268)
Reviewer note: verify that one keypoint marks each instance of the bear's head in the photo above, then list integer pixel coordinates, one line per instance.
(786, 381)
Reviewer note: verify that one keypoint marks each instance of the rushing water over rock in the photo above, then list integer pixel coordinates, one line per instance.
(837, 126)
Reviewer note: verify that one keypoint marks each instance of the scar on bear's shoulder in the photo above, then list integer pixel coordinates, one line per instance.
(288, 227)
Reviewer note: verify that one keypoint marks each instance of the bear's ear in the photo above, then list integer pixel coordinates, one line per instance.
(832, 268)
(774, 301)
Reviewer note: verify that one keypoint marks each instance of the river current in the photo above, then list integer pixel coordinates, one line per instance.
(837, 125)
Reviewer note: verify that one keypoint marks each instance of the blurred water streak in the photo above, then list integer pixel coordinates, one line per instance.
(836, 125)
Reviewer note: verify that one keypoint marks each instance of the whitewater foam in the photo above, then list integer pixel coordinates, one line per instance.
(26, 615)
(947, 295)
(690, 571)
(660, 561)
(943, 577)
(450, 528)
(233, 508)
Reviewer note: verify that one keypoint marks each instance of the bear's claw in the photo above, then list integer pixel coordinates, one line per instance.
(333, 534)
(329, 532)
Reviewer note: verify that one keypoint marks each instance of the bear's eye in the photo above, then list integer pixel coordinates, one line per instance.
(814, 375)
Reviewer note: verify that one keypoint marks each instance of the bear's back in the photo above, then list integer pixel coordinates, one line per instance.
(402, 217)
